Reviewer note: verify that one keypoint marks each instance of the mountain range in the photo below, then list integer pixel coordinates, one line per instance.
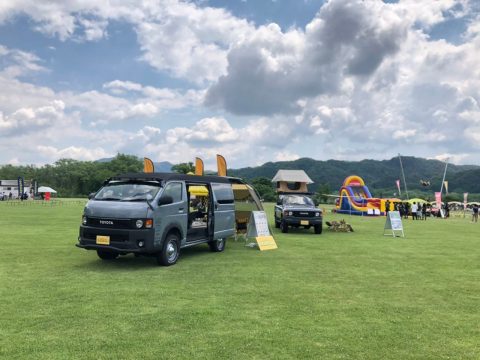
(377, 174)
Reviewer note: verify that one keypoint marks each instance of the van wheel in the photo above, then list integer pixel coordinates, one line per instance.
(217, 245)
(284, 227)
(277, 224)
(170, 250)
(318, 229)
(107, 255)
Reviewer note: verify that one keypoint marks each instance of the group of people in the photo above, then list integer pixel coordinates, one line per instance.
(4, 196)
(417, 211)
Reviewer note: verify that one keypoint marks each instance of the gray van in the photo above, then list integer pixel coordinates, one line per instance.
(157, 214)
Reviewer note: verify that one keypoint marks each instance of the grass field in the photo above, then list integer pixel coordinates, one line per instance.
(356, 295)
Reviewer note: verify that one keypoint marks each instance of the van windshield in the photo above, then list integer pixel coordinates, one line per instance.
(128, 191)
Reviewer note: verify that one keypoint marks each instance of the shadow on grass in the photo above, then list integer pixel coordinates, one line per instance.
(131, 262)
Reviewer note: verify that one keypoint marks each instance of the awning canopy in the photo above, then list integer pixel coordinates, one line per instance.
(46, 189)
(416, 200)
(198, 190)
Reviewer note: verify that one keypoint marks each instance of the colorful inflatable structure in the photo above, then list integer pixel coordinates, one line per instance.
(355, 199)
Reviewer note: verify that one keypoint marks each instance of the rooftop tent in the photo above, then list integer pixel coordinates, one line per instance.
(292, 181)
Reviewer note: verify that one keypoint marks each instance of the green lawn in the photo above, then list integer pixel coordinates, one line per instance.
(356, 295)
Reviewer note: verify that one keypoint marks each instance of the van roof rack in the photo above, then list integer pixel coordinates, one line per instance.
(175, 176)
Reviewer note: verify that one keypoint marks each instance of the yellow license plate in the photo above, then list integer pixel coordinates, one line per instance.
(103, 240)
(304, 222)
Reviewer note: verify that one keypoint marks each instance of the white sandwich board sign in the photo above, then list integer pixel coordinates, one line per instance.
(393, 224)
(258, 228)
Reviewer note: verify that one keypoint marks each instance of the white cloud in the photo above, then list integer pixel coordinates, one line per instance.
(286, 156)
(27, 119)
(73, 152)
(178, 37)
(362, 79)
(404, 134)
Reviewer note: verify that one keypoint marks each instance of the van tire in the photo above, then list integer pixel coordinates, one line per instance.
(318, 229)
(217, 245)
(107, 255)
(277, 224)
(170, 250)
(284, 227)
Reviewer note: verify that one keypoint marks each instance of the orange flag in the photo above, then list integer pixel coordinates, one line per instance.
(148, 166)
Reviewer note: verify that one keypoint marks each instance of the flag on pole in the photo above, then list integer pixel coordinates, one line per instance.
(446, 186)
(398, 187)
(438, 199)
(465, 197)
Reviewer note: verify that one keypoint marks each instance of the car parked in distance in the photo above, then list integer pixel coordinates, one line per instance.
(297, 210)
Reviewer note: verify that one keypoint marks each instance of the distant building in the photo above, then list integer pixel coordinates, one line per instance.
(11, 186)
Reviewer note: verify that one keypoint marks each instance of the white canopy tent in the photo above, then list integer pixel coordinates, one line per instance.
(46, 189)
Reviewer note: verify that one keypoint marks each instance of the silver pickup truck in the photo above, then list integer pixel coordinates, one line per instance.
(297, 210)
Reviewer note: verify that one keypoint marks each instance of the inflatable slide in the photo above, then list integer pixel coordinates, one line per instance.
(355, 199)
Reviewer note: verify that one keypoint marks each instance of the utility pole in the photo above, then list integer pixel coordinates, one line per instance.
(403, 175)
(444, 174)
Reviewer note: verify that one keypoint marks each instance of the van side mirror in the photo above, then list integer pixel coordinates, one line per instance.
(165, 200)
(91, 196)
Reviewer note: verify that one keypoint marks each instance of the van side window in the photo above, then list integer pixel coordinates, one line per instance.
(223, 193)
(174, 190)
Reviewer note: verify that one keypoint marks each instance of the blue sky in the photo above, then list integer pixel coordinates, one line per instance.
(256, 81)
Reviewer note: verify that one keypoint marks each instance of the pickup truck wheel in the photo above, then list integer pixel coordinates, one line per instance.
(318, 229)
(284, 227)
(170, 250)
(217, 245)
(107, 255)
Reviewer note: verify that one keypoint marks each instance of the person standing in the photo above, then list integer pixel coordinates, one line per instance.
(475, 213)
(387, 207)
(424, 211)
(414, 211)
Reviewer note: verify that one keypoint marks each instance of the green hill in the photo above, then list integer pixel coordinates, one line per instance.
(378, 175)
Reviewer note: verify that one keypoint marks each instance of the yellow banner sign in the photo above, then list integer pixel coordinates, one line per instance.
(266, 243)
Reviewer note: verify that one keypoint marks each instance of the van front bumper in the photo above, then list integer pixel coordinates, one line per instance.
(121, 240)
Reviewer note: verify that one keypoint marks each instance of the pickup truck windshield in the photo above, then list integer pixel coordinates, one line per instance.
(128, 191)
(298, 200)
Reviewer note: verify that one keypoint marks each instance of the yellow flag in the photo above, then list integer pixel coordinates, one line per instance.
(221, 165)
(198, 166)
(446, 186)
(148, 166)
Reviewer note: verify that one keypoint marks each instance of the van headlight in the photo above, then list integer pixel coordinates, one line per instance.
(84, 220)
(139, 224)
(317, 214)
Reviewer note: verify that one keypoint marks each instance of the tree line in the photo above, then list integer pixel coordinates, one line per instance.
(73, 178)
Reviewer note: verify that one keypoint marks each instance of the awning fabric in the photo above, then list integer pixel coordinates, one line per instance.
(45, 189)
(198, 190)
